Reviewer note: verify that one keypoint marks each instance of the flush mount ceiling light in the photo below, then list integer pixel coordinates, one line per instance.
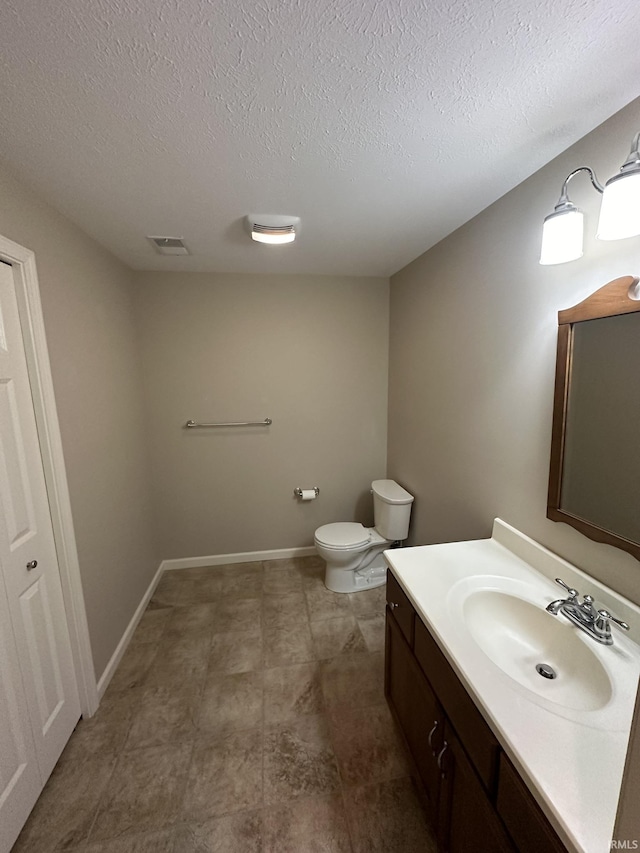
(273, 229)
(562, 231)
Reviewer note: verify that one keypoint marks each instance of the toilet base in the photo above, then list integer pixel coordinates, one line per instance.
(355, 580)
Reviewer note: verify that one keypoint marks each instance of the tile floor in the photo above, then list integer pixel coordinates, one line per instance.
(247, 716)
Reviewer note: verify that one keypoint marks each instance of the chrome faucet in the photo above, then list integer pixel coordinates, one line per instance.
(556, 606)
(595, 623)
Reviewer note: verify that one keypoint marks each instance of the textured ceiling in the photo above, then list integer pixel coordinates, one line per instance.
(383, 124)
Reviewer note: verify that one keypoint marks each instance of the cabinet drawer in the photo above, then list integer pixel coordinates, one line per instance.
(522, 816)
(401, 607)
(478, 739)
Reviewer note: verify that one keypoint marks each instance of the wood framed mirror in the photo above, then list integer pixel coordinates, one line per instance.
(594, 473)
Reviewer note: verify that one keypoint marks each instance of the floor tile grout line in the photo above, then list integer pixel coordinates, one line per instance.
(117, 759)
(187, 777)
(100, 801)
(347, 821)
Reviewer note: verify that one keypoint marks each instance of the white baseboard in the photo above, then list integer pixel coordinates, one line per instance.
(121, 648)
(244, 557)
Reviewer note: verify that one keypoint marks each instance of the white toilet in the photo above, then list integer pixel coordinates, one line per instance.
(353, 553)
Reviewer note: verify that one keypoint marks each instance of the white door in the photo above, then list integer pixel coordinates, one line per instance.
(39, 644)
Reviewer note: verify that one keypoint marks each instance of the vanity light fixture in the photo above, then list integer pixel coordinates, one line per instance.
(269, 228)
(562, 232)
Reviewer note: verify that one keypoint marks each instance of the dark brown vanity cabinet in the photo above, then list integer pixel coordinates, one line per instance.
(474, 796)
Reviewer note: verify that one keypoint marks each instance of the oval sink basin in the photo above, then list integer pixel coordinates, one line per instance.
(518, 636)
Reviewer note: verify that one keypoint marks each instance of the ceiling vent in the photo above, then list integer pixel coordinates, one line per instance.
(169, 245)
(270, 228)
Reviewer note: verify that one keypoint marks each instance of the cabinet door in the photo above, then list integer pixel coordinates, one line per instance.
(480, 742)
(416, 710)
(522, 816)
(467, 820)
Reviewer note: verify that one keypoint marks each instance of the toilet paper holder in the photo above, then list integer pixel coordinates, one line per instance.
(298, 491)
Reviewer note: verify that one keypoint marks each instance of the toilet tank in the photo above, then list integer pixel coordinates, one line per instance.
(391, 509)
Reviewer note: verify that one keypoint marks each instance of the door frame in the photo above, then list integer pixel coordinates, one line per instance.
(35, 344)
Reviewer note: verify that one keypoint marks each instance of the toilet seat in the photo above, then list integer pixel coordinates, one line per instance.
(343, 535)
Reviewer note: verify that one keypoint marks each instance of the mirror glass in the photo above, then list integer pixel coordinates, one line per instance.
(594, 477)
(601, 464)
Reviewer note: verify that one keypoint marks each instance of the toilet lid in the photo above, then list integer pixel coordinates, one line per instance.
(342, 534)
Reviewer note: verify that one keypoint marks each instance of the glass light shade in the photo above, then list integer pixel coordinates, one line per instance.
(273, 237)
(562, 237)
(620, 211)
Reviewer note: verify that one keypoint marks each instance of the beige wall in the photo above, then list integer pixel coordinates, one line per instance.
(472, 357)
(471, 374)
(310, 352)
(86, 298)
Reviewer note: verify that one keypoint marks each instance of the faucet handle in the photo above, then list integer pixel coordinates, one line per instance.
(602, 627)
(604, 616)
(573, 593)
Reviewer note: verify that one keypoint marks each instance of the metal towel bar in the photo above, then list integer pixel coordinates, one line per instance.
(194, 425)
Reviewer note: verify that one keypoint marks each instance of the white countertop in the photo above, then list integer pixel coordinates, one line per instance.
(571, 759)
